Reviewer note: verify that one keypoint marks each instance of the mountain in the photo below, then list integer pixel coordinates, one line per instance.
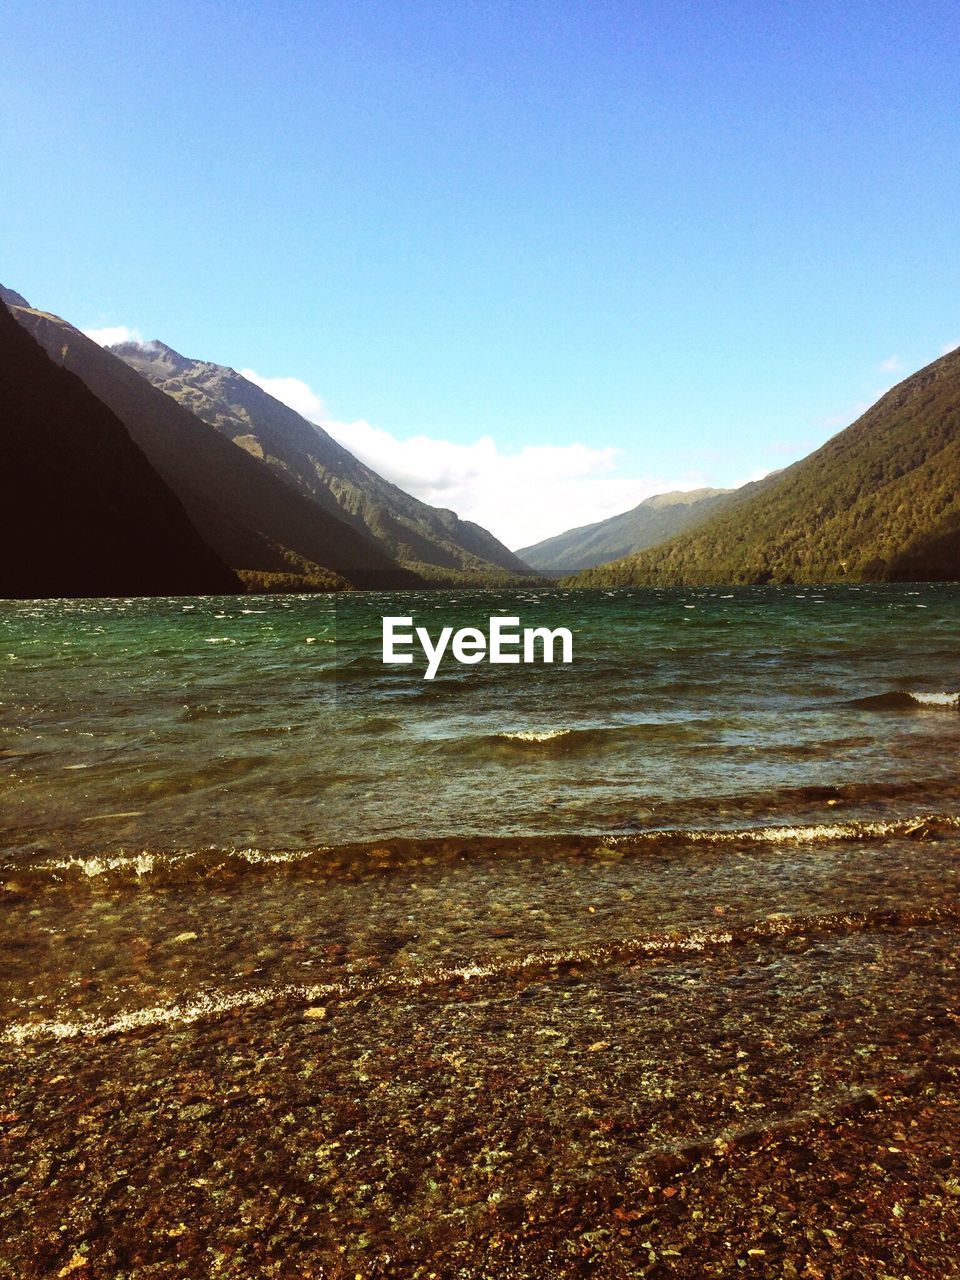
(655, 520)
(256, 521)
(880, 501)
(82, 511)
(11, 298)
(432, 541)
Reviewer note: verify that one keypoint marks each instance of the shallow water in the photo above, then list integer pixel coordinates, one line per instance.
(213, 803)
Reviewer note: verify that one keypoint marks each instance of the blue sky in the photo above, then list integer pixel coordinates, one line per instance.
(534, 260)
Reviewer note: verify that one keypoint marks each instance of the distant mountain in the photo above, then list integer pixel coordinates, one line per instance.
(432, 541)
(82, 511)
(878, 502)
(259, 523)
(653, 521)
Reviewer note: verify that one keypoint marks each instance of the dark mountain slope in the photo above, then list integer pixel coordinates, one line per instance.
(655, 520)
(879, 501)
(82, 512)
(252, 518)
(422, 537)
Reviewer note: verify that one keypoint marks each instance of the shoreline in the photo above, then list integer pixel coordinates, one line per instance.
(790, 1107)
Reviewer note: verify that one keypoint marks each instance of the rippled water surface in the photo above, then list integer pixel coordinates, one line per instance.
(272, 722)
(208, 803)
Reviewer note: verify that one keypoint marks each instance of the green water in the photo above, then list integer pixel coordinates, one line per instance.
(178, 724)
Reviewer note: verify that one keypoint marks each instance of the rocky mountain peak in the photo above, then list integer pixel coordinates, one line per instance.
(12, 298)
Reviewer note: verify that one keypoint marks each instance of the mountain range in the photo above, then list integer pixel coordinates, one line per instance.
(431, 541)
(655, 520)
(136, 470)
(274, 497)
(880, 501)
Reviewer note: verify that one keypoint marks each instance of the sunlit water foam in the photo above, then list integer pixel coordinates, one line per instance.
(535, 735)
(146, 862)
(215, 1003)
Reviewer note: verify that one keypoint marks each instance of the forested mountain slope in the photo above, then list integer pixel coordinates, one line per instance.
(879, 501)
(654, 520)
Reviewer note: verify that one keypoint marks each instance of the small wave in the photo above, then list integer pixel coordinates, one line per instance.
(533, 966)
(175, 866)
(534, 735)
(376, 725)
(140, 864)
(567, 740)
(905, 700)
(824, 831)
(147, 863)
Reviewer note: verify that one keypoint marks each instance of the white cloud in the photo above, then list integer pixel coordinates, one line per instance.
(113, 334)
(522, 496)
(892, 364)
(948, 347)
(292, 392)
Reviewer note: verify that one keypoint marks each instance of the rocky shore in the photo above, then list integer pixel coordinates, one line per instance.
(783, 1107)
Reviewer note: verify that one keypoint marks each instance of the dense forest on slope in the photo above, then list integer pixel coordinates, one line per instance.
(82, 511)
(423, 538)
(880, 501)
(251, 517)
(654, 520)
(259, 584)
